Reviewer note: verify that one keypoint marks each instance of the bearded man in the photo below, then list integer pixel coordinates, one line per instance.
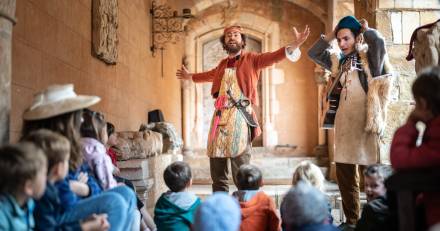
(234, 87)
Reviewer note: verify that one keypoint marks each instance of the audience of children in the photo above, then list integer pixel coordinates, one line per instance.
(219, 212)
(258, 210)
(49, 214)
(305, 208)
(405, 153)
(375, 212)
(23, 180)
(93, 138)
(55, 167)
(175, 208)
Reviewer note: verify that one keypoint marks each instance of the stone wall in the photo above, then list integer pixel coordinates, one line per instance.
(52, 43)
(290, 93)
(396, 20)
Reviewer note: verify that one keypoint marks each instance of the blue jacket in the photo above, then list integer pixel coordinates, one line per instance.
(49, 210)
(317, 227)
(69, 198)
(13, 217)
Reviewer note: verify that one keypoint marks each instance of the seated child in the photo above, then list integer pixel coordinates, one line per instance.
(258, 210)
(23, 178)
(375, 212)
(304, 208)
(312, 174)
(147, 221)
(405, 153)
(94, 136)
(49, 214)
(219, 212)
(175, 209)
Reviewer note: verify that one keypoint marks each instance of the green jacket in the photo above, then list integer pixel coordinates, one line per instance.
(169, 217)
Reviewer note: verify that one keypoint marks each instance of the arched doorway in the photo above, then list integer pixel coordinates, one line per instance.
(212, 54)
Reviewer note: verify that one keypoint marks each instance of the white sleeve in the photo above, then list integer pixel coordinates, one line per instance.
(293, 56)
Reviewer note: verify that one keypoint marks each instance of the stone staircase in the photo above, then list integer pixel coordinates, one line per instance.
(277, 165)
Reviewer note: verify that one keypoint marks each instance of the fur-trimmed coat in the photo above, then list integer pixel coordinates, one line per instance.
(374, 79)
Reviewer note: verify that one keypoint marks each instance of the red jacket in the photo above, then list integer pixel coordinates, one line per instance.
(406, 155)
(248, 69)
(259, 214)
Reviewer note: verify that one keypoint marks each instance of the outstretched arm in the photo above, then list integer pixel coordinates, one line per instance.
(291, 51)
(184, 74)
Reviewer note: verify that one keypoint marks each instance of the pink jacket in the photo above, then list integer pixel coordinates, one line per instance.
(96, 156)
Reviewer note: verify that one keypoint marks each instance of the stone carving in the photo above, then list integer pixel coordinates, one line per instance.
(138, 145)
(7, 20)
(172, 142)
(105, 25)
(427, 47)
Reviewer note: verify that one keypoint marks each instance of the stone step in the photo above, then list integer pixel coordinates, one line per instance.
(277, 192)
(277, 169)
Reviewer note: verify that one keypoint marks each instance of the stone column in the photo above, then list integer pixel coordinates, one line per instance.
(7, 21)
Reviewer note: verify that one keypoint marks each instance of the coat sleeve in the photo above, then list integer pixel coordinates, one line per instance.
(47, 221)
(268, 58)
(67, 197)
(320, 53)
(207, 76)
(367, 221)
(405, 154)
(94, 187)
(104, 173)
(274, 218)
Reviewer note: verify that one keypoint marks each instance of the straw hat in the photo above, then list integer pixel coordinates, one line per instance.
(57, 100)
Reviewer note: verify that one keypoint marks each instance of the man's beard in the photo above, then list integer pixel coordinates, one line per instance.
(233, 48)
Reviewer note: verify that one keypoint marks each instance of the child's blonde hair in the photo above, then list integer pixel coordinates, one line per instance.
(309, 172)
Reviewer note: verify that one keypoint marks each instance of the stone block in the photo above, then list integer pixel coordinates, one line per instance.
(386, 4)
(403, 4)
(427, 17)
(410, 20)
(427, 4)
(138, 145)
(384, 25)
(396, 25)
(104, 30)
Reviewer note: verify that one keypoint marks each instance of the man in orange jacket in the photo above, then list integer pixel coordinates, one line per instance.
(234, 86)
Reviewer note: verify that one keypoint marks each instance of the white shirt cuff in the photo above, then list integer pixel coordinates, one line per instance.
(293, 56)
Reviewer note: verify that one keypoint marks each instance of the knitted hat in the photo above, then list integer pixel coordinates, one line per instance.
(220, 212)
(349, 22)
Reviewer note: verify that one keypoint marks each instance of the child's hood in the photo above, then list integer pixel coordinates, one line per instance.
(259, 203)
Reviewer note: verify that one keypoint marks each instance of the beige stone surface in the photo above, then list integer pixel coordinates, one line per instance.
(410, 21)
(104, 30)
(429, 16)
(386, 3)
(138, 145)
(52, 44)
(403, 3)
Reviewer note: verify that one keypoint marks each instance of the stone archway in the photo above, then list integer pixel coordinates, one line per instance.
(211, 28)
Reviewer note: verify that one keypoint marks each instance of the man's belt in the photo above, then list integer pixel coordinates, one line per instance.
(241, 105)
